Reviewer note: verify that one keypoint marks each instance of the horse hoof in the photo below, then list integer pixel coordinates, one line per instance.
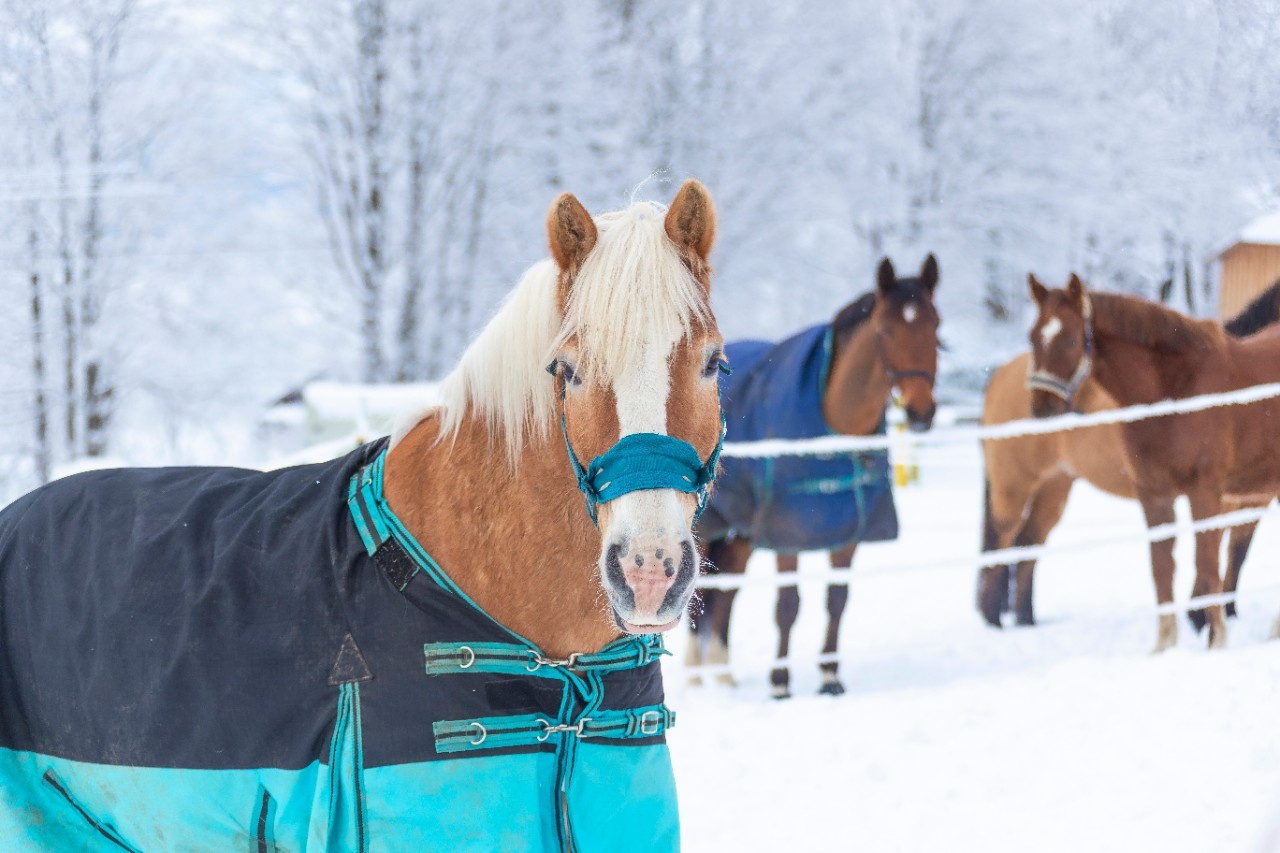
(694, 681)
(831, 688)
(1197, 619)
(1230, 608)
(780, 691)
(724, 679)
(1026, 620)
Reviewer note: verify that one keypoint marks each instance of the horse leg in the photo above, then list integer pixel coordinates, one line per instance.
(1238, 541)
(837, 598)
(1003, 510)
(730, 557)
(1159, 510)
(1046, 511)
(1206, 501)
(788, 608)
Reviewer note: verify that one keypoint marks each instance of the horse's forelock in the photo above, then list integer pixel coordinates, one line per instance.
(633, 291)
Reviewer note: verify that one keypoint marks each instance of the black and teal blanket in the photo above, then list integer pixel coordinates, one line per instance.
(793, 503)
(221, 659)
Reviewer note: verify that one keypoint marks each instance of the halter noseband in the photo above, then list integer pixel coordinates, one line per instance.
(640, 461)
(1043, 380)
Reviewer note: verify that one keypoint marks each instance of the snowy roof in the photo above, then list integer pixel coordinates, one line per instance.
(339, 400)
(1265, 231)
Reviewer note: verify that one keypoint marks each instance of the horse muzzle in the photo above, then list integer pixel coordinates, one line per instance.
(649, 583)
(918, 421)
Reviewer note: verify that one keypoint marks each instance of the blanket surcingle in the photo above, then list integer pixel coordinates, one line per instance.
(790, 504)
(221, 659)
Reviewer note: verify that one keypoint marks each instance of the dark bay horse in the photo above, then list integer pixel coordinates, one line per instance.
(833, 378)
(1141, 352)
(1028, 478)
(429, 644)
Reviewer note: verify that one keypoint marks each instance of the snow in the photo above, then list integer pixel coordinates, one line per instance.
(953, 736)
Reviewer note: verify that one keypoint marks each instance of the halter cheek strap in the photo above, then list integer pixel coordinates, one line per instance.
(1043, 380)
(896, 376)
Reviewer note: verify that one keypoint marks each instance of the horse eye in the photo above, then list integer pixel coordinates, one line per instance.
(713, 365)
(570, 375)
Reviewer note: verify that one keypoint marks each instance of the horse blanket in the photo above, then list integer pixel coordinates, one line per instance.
(220, 659)
(793, 503)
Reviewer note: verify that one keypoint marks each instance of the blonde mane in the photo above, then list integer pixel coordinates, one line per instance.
(633, 290)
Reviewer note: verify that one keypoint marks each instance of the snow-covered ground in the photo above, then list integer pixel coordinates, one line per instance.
(953, 736)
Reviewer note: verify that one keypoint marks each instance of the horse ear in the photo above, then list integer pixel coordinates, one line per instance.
(1038, 291)
(571, 232)
(1075, 290)
(886, 279)
(929, 273)
(691, 222)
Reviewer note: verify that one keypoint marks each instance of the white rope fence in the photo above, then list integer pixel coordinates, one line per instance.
(1009, 429)
(999, 557)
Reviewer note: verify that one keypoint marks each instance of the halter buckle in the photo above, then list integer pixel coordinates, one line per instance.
(650, 722)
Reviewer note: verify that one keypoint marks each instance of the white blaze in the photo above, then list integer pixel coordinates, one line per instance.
(910, 312)
(1050, 330)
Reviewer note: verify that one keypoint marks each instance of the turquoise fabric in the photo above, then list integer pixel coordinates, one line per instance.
(469, 805)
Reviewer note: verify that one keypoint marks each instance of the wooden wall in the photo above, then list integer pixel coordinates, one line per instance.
(1247, 270)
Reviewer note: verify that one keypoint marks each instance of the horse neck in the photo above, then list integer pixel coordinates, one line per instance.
(858, 383)
(1131, 372)
(519, 542)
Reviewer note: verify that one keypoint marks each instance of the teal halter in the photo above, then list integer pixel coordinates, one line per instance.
(643, 460)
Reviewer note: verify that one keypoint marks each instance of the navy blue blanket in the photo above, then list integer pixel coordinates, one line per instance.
(793, 503)
(222, 659)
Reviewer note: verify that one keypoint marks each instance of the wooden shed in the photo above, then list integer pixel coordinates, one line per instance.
(1249, 265)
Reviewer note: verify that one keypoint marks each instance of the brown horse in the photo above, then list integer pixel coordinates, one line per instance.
(1029, 477)
(1141, 352)
(884, 340)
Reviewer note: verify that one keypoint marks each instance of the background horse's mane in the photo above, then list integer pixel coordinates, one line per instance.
(1152, 325)
(854, 314)
(633, 290)
(1261, 312)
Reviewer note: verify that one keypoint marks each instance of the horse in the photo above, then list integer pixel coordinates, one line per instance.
(1027, 479)
(1141, 352)
(445, 640)
(831, 378)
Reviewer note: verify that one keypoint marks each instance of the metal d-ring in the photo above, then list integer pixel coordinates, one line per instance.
(470, 660)
(483, 734)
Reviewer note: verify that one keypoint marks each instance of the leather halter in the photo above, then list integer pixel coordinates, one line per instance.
(1044, 380)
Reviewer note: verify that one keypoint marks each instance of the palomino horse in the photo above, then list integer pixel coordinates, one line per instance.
(832, 378)
(1029, 477)
(243, 660)
(1140, 352)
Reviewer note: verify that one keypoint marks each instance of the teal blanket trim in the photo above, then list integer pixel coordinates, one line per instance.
(510, 659)
(376, 524)
(529, 729)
